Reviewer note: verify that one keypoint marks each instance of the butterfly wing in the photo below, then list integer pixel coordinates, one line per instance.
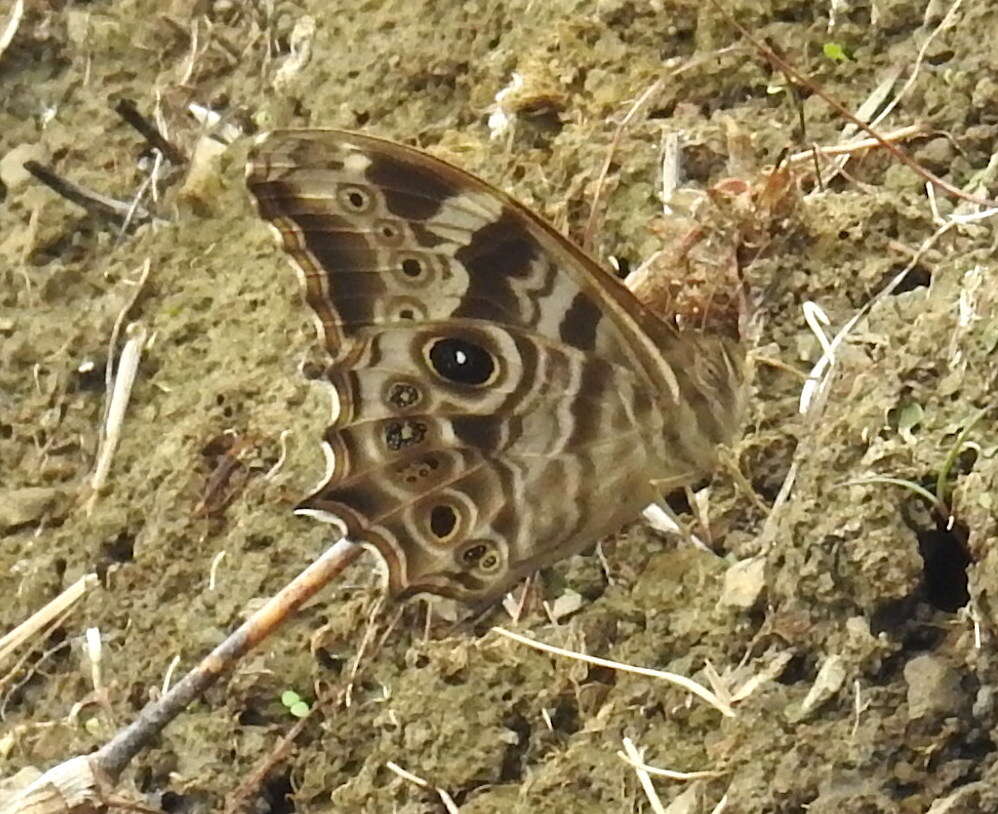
(501, 400)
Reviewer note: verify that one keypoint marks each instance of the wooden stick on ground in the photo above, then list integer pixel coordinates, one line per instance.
(92, 201)
(78, 784)
(128, 110)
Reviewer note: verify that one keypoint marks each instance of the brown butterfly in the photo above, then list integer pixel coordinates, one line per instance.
(501, 400)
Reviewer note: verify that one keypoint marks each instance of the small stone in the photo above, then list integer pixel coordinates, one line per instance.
(21, 506)
(858, 628)
(829, 681)
(984, 704)
(743, 584)
(12, 172)
(933, 687)
(566, 604)
(937, 155)
(202, 187)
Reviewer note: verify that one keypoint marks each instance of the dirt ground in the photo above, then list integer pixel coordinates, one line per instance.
(868, 624)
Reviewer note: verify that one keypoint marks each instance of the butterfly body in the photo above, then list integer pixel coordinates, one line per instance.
(501, 400)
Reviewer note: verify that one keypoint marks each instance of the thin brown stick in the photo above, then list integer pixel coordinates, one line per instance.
(84, 782)
(236, 800)
(852, 147)
(88, 199)
(130, 113)
(112, 758)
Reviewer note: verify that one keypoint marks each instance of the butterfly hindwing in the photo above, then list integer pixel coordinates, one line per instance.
(500, 401)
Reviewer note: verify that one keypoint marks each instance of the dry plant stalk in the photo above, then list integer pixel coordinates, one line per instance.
(76, 785)
(13, 23)
(102, 205)
(673, 678)
(41, 618)
(127, 369)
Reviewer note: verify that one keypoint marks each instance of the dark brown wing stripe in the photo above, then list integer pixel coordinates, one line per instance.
(578, 327)
(409, 192)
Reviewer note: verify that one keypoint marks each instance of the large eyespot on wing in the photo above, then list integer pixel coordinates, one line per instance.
(460, 361)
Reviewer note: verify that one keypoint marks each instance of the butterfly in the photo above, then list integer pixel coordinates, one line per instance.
(500, 399)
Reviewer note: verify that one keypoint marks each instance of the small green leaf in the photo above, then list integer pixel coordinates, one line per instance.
(299, 709)
(834, 51)
(289, 698)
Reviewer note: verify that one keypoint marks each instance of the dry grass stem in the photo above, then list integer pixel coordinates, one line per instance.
(41, 618)
(670, 162)
(852, 147)
(821, 373)
(13, 22)
(682, 682)
(6, 681)
(135, 207)
(661, 518)
(633, 756)
(216, 561)
(636, 760)
(95, 655)
(111, 384)
(281, 458)
(362, 650)
(171, 668)
(594, 210)
(445, 798)
(123, 382)
(112, 343)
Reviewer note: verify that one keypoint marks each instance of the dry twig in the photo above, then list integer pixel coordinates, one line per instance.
(80, 783)
(128, 111)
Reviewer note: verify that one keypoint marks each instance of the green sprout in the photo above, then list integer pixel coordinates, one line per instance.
(942, 480)
(296, 706)
(835, 52)
(940, 500)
